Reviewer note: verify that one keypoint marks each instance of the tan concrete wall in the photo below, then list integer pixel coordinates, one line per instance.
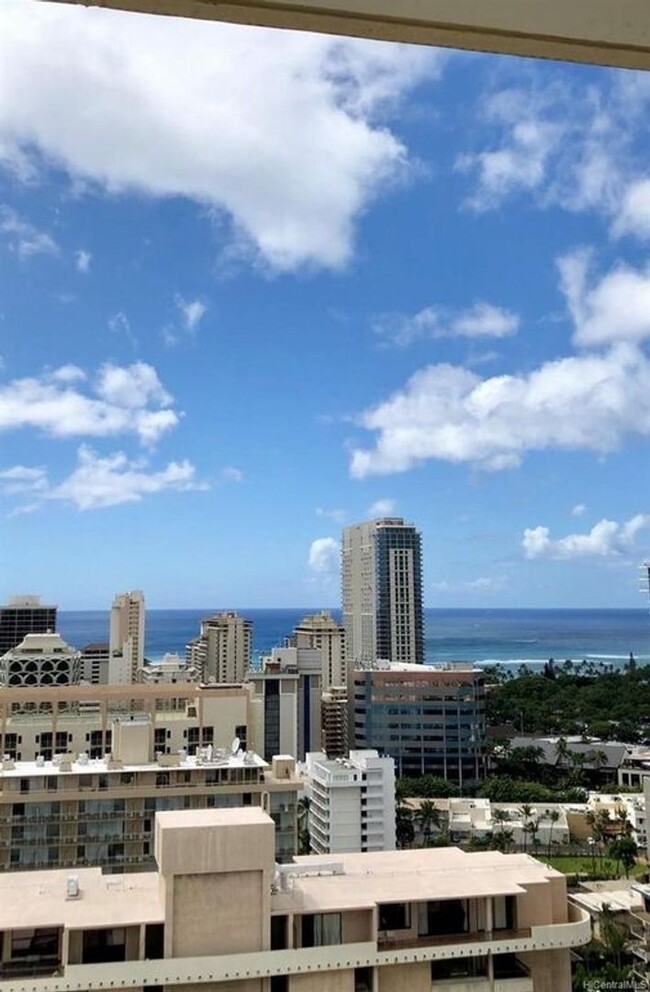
(357, 926)
(550, 970)
(535, 907)
(218, 914)
(329, 981)
(405, 978)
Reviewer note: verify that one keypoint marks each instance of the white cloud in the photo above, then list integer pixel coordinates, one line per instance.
(82, 260)
(291, 151)
(324, 557)
(336, 514)
(382, 508)
(22, 237)
(484, 583)
(446, 412)
(191, 311)
(605, 538)
(120, 400)
(99, 482)
(20, 479)
(482, 320)
(232, 474)
(578, 509)
(567, 144)
(634, 213)
(615, 308)
(96, 482)
(119, 323)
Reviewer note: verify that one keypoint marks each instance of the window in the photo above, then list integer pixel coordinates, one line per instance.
(395, 916)
(42, 942)
(459, 968)
(321, 929)
(504, 913)
(104, 945)
(448, 916)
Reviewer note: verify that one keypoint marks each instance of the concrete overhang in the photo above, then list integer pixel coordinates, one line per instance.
(602, 32)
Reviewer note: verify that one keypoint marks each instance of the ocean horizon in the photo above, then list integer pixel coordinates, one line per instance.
(512, 637)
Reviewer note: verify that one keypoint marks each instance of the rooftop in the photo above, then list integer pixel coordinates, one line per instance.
(82, 765)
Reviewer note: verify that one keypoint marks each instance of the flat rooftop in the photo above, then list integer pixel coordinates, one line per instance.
(409, 876)
(93, 766)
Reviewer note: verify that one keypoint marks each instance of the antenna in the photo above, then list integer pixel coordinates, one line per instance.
(234, 747)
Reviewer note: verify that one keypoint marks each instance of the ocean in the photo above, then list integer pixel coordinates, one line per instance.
(512, 637)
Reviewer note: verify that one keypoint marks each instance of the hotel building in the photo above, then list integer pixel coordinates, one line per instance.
(428, 720)
(40, 659)
(126, 637)
(352, 803)
(23, 615)
(381, 572)
(220, 915)
(74, 811)
(223, 650)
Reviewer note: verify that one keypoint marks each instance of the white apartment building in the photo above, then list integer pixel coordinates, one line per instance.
(223, 650)
(126, 637)
(381, 571)
(220, 914)
(40, 660)
(352, 803)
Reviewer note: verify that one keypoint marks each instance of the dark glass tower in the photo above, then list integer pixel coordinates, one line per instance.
(24, 615)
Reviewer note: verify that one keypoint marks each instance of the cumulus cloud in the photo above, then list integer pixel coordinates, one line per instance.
(634, 212)
(484, 583)
(324, 557)
(99, 482)
(569, 144)
(82, 260)
(614, 308)
(606, 538)
(382, 508)
(589, 402)
(118, 400)
(96, 482)
(482, 320)
(578, 509)
(291, 151)
(21, 236)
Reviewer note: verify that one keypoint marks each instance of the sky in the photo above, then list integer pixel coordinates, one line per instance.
(257, 285)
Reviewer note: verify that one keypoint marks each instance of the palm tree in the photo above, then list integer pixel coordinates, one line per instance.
(304, 840)
(428, 815)
(562, 750)
(554, 816)
(613, 934)
(526, 811)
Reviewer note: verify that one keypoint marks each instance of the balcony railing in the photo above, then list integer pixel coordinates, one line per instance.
(385, 943)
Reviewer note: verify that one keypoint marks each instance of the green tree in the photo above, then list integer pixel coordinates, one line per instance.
(624, 850)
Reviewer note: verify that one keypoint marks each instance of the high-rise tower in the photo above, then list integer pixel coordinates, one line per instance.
(24, 615)
(126, 653)
(382, 591)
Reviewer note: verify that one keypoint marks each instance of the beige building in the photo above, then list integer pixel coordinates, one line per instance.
(223, 650)
(74, 810)
(40, 659)
(320, 632)
(126, 637)
(221, 915)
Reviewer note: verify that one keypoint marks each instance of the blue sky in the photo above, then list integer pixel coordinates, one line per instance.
(256, 285)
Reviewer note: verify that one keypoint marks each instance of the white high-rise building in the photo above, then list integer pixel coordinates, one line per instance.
(223, 650)
(126, 638)
(381, 572)
(352, 803)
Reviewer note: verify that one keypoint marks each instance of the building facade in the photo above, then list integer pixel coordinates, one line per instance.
(41, 659)
(430, 721)
(23, 615)
(352, 803)
(74, 811)
(223, 650)
(220, 915)
(381, 573)
(126, 637)
(322, 633)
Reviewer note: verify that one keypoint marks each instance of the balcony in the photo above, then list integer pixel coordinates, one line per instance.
(440, 940)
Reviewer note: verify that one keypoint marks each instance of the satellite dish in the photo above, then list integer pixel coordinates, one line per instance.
(234, 747)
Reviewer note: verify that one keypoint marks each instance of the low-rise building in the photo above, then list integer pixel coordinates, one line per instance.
(352, 803)
(75, 811)
(40, 659)
(219, 914)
